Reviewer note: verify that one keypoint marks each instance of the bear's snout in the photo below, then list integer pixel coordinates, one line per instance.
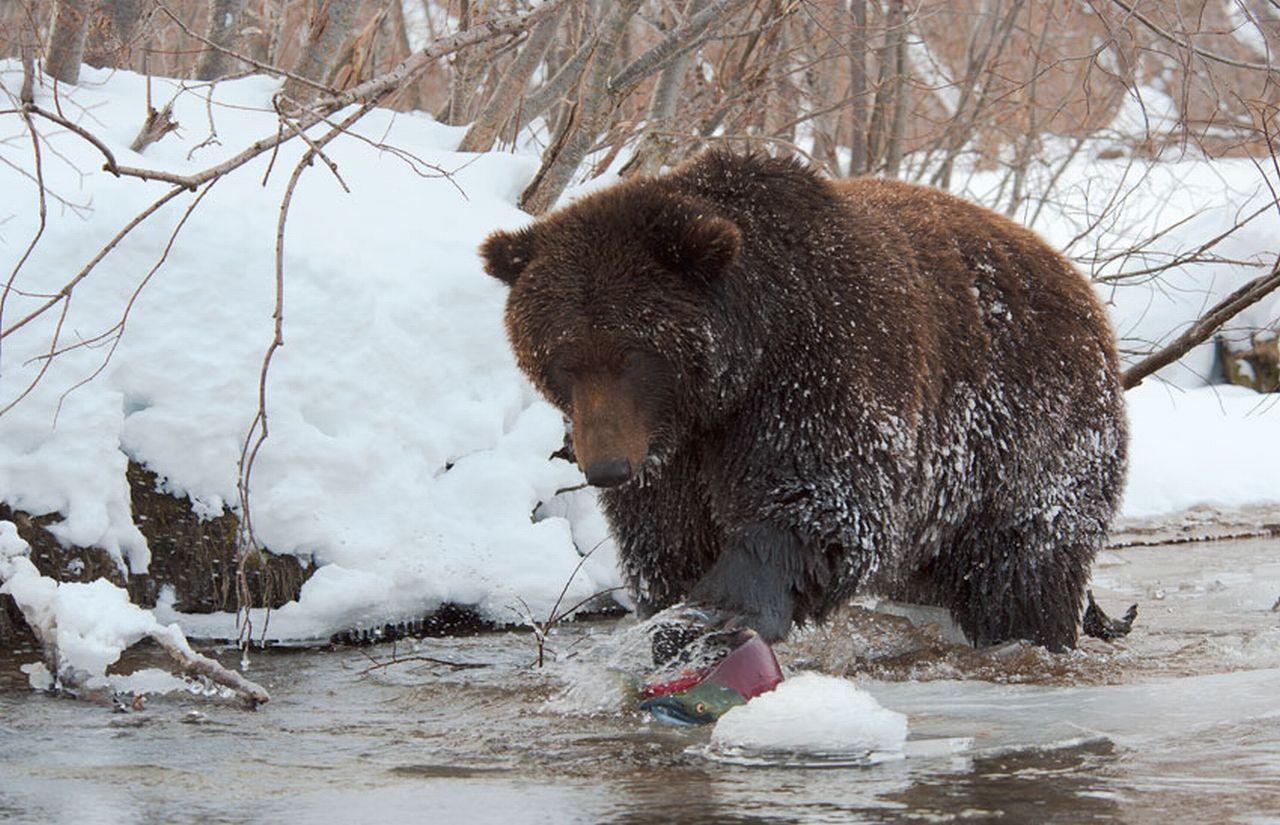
(610, 436)
(608, 473)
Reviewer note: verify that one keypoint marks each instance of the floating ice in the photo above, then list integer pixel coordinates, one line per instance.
(813, 713)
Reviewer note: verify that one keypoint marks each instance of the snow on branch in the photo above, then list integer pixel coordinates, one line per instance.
(84, 627)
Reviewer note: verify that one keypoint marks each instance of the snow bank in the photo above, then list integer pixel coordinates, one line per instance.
(406, 451)
(1209, 445)
(812, 713)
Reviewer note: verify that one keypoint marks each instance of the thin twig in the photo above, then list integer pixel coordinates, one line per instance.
(258, 427)
(118, 328)
(43, 206)
(1187, 44)
(400, 660)
(65, 292)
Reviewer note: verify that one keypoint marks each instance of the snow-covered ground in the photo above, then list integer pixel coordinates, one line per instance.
(406, 453)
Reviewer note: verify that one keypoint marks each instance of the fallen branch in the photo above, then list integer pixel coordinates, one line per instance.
(175, 644)
(432, 660)
(38, 597)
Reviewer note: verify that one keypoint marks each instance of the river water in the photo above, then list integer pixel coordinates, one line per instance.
(1180, 722)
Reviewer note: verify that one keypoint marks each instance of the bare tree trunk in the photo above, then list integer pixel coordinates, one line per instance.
(356, 61)
(503, 102)
(459, 66)
(818, 33)
(113, 27)
(881, 109)
(779, 115)
(410, 96)
(594, 107)
(897, 28)
(224, 15)
(66, 41)
(858, 88)
(965, 118)
(654, 148)
(331, 24)
(554, 90)
(467, 69)
(257, 24)
(27, 51)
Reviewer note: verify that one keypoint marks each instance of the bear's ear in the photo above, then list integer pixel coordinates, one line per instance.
(506, 254)
(702, 245)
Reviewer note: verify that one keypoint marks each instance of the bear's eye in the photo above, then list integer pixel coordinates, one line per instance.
(558, 382)
(632, 362)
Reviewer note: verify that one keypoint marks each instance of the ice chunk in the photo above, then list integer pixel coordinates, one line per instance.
(813, 713)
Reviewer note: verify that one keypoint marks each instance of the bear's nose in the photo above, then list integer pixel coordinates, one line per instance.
(608, 473)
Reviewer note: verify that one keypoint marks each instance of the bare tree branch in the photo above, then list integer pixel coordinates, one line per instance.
(593, 110)
(677, 41)
(1150, 24)
(654, 148)
(484, 131)
(1204, 327)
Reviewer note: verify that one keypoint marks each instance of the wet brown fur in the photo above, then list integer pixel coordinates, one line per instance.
(845, 385)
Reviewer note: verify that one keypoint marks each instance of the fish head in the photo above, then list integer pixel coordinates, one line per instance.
(701, 704)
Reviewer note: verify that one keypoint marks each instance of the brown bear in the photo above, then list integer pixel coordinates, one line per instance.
(794, 389)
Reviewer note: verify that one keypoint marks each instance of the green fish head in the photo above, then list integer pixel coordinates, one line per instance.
(701, 704)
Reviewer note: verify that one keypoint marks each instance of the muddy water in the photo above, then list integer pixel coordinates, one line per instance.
(1178, 723)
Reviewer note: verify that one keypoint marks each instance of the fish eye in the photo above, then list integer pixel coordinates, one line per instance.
(701, 707)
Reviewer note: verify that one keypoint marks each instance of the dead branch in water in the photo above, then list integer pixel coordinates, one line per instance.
(175, 644)
(397, 659)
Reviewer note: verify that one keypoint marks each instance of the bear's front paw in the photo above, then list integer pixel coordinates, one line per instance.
(772, 622)
(692, 634)
(753, 581)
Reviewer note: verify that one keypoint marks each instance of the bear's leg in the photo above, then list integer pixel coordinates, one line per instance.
(1024, 582)
(754, 581)
(666, 534)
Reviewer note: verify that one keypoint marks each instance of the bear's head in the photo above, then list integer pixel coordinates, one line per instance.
(611, 314)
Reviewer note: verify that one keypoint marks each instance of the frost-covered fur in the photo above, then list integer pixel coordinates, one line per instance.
(854, 385)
